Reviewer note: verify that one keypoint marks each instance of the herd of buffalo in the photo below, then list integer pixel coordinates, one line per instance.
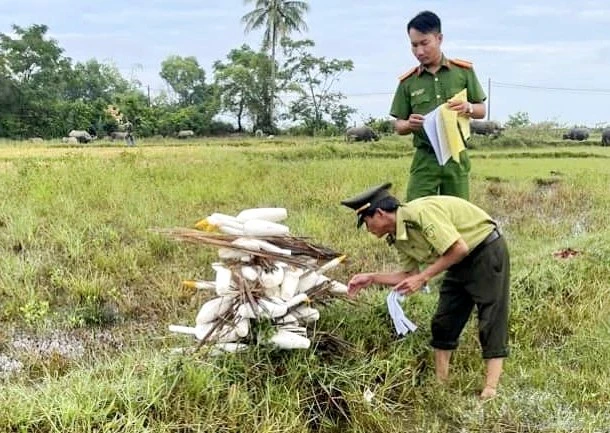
(480, 127)
(367, 134)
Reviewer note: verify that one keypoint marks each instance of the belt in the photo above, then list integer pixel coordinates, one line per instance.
(492, 237)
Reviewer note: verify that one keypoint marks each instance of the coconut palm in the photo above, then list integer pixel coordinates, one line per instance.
(279, 18)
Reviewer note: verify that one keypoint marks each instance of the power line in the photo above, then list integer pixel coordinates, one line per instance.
(508, 86)
(560, 89)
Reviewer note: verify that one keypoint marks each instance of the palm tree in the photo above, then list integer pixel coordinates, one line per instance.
(279, 18)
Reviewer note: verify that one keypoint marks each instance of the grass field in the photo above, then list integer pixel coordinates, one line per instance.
(87, 292)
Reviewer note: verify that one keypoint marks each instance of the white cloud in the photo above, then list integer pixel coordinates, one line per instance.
(599, 15)
(538, 11)
(517, 48)
(568, 48)
(87, 36)
(360, 11)
(590, 10)
(147, 14)
(595, 4)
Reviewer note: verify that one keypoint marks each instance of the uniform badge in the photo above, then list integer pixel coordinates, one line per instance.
(417, 92)
(429, 232)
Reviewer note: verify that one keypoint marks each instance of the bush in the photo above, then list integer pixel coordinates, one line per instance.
(218, 127)
(381, 126)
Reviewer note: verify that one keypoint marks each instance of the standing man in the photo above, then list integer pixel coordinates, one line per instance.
(444, 233)
(129, 133)
(421, 90)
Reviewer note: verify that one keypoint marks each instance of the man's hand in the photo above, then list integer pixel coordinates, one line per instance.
(460, 107)
(410, 284)
(413, 123)
(357, 283)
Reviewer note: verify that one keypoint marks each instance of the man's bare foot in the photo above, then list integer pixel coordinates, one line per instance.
(441, 365)
(488, 393)
(442, 380)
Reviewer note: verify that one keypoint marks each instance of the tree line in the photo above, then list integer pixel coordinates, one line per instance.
(44, 93)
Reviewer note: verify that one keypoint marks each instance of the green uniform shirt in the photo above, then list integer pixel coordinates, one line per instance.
(421, 92)
(428, 226)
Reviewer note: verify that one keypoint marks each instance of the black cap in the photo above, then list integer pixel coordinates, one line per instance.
(367, 200)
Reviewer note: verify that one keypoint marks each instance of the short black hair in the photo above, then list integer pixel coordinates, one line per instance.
(388, 204)
(425, 22)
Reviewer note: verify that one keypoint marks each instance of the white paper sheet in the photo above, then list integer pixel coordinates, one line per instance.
(402, 324)
(434, 130)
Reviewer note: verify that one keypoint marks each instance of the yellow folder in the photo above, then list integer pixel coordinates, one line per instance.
(449, 125)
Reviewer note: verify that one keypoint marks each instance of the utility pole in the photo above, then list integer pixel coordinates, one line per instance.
(488, 99)
(148, 92)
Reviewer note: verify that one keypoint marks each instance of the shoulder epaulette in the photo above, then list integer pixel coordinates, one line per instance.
(461, 63)
(408, 73)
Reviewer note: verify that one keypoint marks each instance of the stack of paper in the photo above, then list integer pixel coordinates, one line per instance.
(445, 130)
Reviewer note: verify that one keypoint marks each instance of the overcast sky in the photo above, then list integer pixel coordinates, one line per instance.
(554, 44)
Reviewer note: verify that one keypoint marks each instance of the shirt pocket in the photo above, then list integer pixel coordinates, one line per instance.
(454, 90)
(421, 103)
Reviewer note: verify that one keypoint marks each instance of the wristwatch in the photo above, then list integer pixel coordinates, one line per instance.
(470, 108)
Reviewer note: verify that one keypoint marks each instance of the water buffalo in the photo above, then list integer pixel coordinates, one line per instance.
(184, 134)
(578, 134)
(118, 135)
(361, 133)
(606, 137)
(486, 127)
(81, 136)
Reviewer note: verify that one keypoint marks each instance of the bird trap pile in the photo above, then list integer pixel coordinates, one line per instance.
(266, 282)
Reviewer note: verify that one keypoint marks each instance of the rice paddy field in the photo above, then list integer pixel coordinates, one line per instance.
(87, 291)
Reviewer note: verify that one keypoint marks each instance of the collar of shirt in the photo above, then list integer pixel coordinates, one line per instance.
(444, 64)
(401, 229)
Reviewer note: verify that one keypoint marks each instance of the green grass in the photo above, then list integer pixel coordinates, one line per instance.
(79, 261)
